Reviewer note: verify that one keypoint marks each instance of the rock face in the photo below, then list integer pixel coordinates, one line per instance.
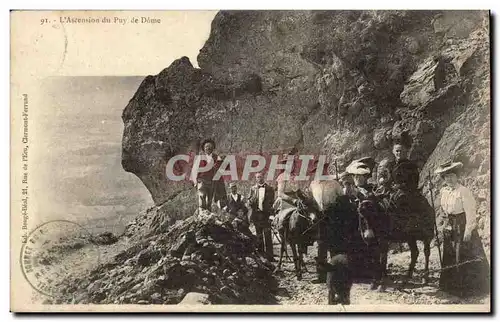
(343, 83)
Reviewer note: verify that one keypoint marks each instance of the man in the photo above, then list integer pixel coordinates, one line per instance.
(208, 189)
(260, 201)
(236, 207)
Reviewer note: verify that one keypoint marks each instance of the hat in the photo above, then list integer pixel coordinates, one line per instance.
(232, 184)
(368, 161)
(357, 167)
(448, 167)
(207, 141)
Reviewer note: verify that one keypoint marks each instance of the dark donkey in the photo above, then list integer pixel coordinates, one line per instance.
(295, 231)
(379, 225)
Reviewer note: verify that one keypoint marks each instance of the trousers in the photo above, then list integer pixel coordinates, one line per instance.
(264, 239)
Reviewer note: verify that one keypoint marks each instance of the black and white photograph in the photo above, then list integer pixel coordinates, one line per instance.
(251, 161)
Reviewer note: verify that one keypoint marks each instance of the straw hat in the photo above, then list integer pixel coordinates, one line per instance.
(369, 161)
(357, 167)
(232, 184)
(448, 167)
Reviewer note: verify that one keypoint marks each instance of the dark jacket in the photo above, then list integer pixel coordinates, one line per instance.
(368, 191)
(404, 174)
(233, 206)
(253, 199)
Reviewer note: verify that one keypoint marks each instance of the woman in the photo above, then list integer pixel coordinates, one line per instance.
(361, 171)
(465, 268)
(290, 192)
(347, 182)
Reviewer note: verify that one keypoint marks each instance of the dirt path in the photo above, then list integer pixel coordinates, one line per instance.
(293, 292)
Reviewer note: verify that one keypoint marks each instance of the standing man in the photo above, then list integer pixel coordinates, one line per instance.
(237, 209)
(260, 202)
(208, 189)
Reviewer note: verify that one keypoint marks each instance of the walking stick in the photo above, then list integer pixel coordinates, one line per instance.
(435, 225)
(336, 170)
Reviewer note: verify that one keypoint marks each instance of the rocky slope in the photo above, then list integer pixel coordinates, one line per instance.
(343, 83)
(201, 255)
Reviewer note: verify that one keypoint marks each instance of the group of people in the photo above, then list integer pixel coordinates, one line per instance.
(465, 268)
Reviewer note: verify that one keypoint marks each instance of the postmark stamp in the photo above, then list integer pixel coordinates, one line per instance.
(54, 251)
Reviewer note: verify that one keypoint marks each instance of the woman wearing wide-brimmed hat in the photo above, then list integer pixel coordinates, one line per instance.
(465, 268)
(361, 170)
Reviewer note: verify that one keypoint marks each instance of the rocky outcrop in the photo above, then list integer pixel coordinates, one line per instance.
(199, 260)
(344, 83)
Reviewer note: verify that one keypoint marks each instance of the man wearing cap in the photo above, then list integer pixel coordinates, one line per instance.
(237, 209)
(260, 201)
(208, 189)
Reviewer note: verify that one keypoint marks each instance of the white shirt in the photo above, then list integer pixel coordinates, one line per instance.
(234, 196)
(262, 192)
(458, 200)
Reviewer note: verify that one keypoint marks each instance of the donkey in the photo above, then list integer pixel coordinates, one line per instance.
(295, 232)
(379, 225)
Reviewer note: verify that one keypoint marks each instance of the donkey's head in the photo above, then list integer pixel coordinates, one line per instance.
(370, 221)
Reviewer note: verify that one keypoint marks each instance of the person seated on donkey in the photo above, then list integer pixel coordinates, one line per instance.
(405, 198)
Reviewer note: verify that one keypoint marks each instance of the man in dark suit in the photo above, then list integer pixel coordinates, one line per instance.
(261, 201)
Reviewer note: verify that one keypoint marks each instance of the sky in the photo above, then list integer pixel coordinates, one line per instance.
(79, 76)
